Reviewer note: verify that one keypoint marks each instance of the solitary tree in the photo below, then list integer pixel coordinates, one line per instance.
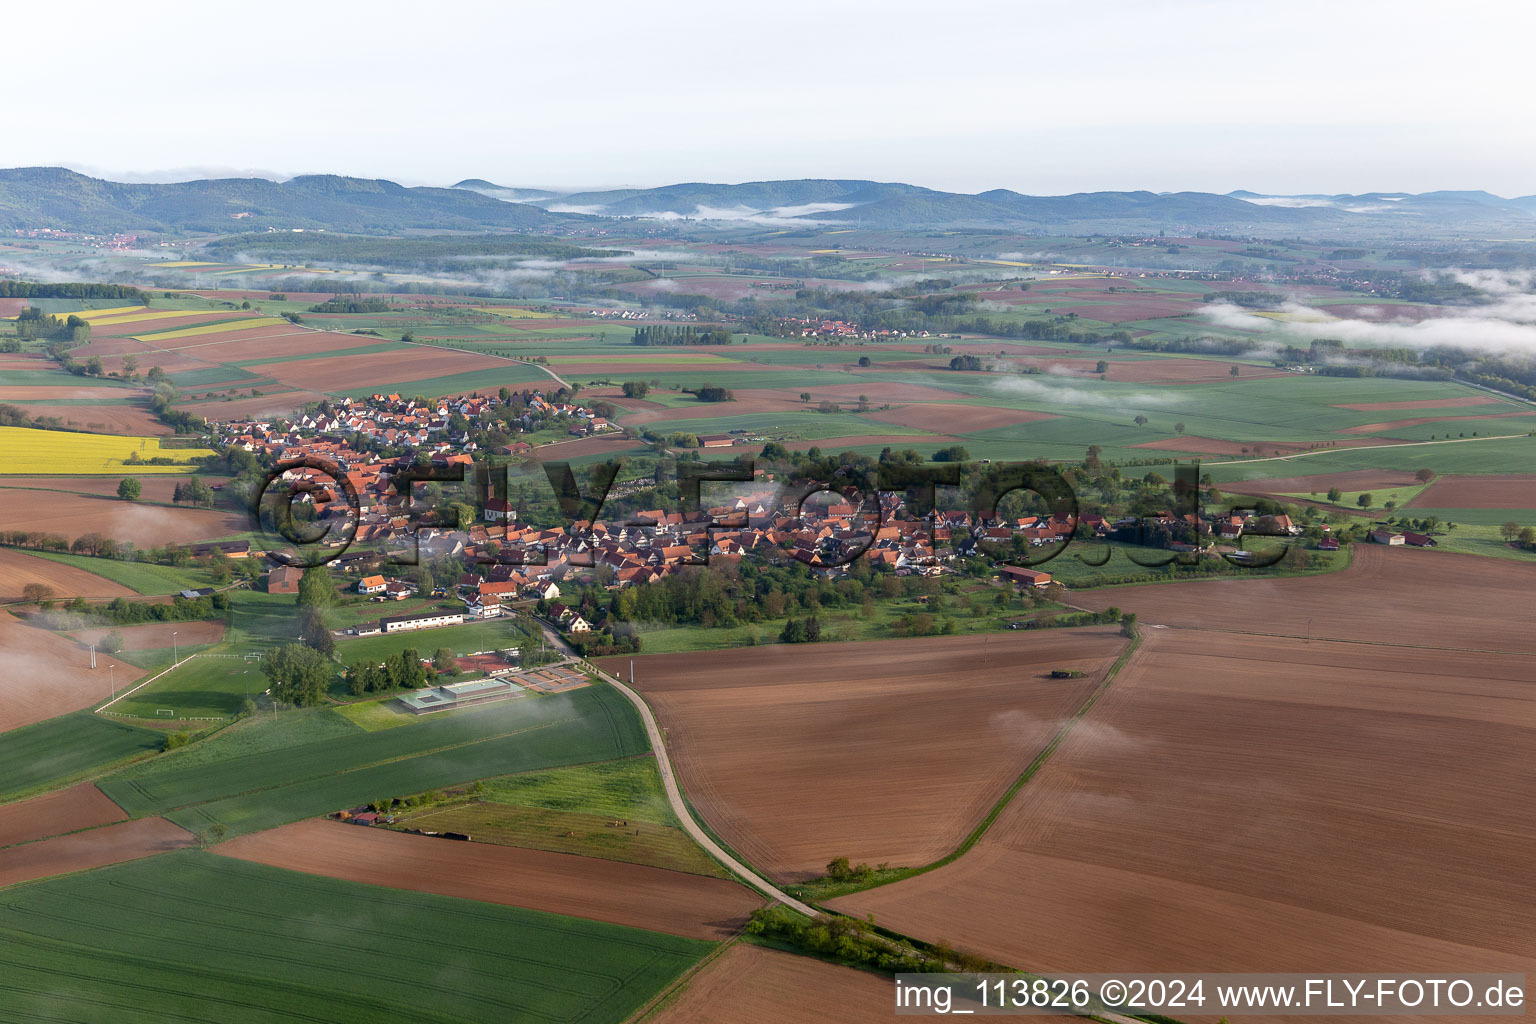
(1234, 371)
(1509, 530)
(1178, 428)
(37, 593)
(805, 396)
(1334, 495)
(1364, 501)
(1424, 476)
(129, 489)
(1140, 420)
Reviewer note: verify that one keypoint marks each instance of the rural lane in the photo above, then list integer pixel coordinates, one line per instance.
(684, 815)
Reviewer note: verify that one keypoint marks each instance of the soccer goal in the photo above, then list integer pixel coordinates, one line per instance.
(166, 712)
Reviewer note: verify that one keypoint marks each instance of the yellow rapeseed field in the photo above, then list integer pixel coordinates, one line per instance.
(139, 316)
(97, 314)
(41, 452)
(223, 328)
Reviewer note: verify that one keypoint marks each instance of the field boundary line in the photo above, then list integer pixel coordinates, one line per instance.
(680, 983)
(1030, 770)
(141, 686)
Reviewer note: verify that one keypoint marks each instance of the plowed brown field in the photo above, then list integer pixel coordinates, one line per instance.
(17, 569)
(79, 806)
(601, 890)
(132, 420)
(46, 675)
(155, 487)
(70, 514)
(337, 373)
(1516, 490)
(753, 985)
(1262, 804)
(1377, 428)
(876, 751)
(1387, 595)
(155, 635)
(272, 403)
(113, 844)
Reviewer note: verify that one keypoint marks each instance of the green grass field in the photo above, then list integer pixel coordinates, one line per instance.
(213, 685)
(573, 810)
(252, 789)
(1472, 456)
(140, 577)
(572, 832)
(1470, 538)
(617, 789)
(192, 936)
(61, 750)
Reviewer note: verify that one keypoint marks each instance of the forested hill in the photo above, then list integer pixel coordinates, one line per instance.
(53, 197)
(895, 206)
(426, 253)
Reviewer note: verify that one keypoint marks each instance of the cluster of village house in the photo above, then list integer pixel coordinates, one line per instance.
(395, 420)
(517, 561)
(815, 328)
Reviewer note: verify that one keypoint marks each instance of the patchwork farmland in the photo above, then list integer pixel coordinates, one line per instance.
(1110, 767)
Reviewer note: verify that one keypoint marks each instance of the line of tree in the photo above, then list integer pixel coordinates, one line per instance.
(339, 304)
(687, 334)
(71, 290)
(402, 670)
(122, 612)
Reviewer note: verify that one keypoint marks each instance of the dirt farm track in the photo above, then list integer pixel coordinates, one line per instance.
(817, 779)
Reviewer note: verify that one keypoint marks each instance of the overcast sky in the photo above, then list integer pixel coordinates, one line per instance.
(1337, 96)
